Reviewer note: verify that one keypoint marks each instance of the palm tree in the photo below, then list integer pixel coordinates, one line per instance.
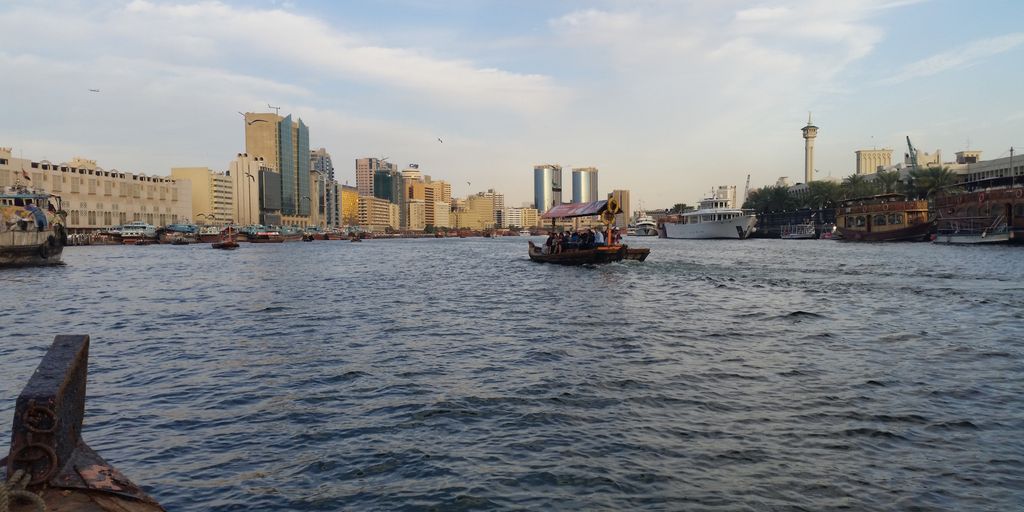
(886, 181)
(855, 186)
(821, 194)
(930, 180)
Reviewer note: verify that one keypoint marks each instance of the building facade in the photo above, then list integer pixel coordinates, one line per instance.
(284, 143)
(244, 172)
(376, 214)
(97, 198)
(869, 161)
(547, 186)
(349, 198)
(584, 184)
(519, 218)
(477, 213)
(213, 194)
(365, 171)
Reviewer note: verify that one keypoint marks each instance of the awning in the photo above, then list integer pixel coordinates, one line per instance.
(570, 210)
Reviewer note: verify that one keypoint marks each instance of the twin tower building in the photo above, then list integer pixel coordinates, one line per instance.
(547, 186)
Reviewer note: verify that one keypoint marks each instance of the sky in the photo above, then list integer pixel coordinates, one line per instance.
(666, 98)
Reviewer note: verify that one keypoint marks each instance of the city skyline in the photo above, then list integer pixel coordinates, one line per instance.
(667, 99)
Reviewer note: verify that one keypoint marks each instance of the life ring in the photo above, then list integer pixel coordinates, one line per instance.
(608, 217)
(885, 207)
(1019, 193)
(613, 205)
(981, 196)
(44, 251)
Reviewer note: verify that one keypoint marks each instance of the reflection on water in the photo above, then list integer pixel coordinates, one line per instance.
(456, 374)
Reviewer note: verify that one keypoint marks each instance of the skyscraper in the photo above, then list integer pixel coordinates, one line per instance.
(365, 167)
(320, 160)
(547, 186)
(584, 184)
(623, 217)
(285, 144)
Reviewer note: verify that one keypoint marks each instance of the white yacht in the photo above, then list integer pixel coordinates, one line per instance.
(645, 225)
(716, 217)
(137, 231)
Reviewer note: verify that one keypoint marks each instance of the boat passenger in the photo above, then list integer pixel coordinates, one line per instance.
(574, 240)
(598, 237)
(39, 216)
(549, 245)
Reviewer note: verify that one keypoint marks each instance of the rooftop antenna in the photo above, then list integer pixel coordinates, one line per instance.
(277, 110)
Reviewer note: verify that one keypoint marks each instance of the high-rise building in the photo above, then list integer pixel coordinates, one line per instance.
(584, 184)
(213, 194)
(365, 172)
(376, 214)
(285, 144)
(497, 204)
(622, 197)
(519, 218)
(870, 160)
(349, 205)
(810, 133)
(244, 171)
(547, 186)
(320, 160)
(477, 213)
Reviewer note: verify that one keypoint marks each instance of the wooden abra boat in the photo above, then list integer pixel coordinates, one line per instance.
(53, 467)
(883, 218)
(993, 215)
(596, 255)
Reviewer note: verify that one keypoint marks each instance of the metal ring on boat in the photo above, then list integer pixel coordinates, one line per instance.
(885, 207)
(613, 205)
(981, 196)
(608, 217)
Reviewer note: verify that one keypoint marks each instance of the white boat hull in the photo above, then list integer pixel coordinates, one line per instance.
(739, 227)
(646, 231)
(994, 238)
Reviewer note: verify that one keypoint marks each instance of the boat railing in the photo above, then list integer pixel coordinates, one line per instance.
(978, 226)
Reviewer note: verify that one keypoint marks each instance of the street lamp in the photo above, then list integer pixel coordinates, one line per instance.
(248, 195)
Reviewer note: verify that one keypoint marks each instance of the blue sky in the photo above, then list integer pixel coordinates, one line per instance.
(666, 98)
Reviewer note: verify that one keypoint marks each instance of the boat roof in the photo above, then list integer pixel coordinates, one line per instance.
(570, 210)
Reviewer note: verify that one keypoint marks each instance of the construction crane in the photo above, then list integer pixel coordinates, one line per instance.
(911, 154)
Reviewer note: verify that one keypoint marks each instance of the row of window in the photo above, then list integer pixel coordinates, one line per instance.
(96, 172)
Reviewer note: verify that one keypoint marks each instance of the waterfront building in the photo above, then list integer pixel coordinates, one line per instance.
(97, 198)
(810, 133)
(285, 143)
(974, 169)
(497, 204)
(519, 218)
(417, 215)
(547, 186)
(247, 175)
(442, 214)
(622, 196)
(477, 213)
(213, 194)
(333, 205)
(869, 161)
(349, 205)
(365, 169)
(584, 184)
(320, 160)
(376, 214)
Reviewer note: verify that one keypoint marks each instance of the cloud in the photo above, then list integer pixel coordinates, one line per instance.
(961, 57)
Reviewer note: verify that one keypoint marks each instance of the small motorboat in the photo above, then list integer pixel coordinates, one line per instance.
(226, 244)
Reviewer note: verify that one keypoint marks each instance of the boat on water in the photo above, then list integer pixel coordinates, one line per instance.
(883, 218)
(49, 465)
(804, 231)
(992, 215)
(715, 217)
(644, 226)
(134, 231)
(609, 253)
(174, 232)
(227, 240)
(32, 227)
(265, 236)
(525, 232)
(208, 234)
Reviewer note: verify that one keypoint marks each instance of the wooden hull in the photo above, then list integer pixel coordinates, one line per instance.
(227, 245)
(637, 254)
(604, 254)
(919, 233)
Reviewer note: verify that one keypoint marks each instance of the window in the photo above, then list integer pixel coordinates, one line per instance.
(861, 221)
(893, 217)
(879, 220)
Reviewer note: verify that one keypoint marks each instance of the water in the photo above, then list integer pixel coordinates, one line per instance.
(457, 375)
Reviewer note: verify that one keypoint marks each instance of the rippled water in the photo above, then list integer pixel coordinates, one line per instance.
(456, 374)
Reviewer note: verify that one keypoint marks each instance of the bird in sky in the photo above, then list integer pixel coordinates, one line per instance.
(94, 90)
(439, 140)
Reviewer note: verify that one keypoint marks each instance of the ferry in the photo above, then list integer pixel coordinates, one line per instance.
(715, 217)
(138, 230)
(993, 215)
(883, 218)
(32, 228)
(803, 231)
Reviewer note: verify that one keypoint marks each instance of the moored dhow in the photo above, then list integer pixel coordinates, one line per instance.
(32, 231)
(992, 215)
(883, 218)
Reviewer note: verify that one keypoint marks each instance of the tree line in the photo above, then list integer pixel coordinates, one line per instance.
(921, 183)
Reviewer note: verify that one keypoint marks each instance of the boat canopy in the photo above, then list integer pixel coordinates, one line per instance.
(570, 210)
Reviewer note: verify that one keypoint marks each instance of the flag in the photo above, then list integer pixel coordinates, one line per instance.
(25, 175)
